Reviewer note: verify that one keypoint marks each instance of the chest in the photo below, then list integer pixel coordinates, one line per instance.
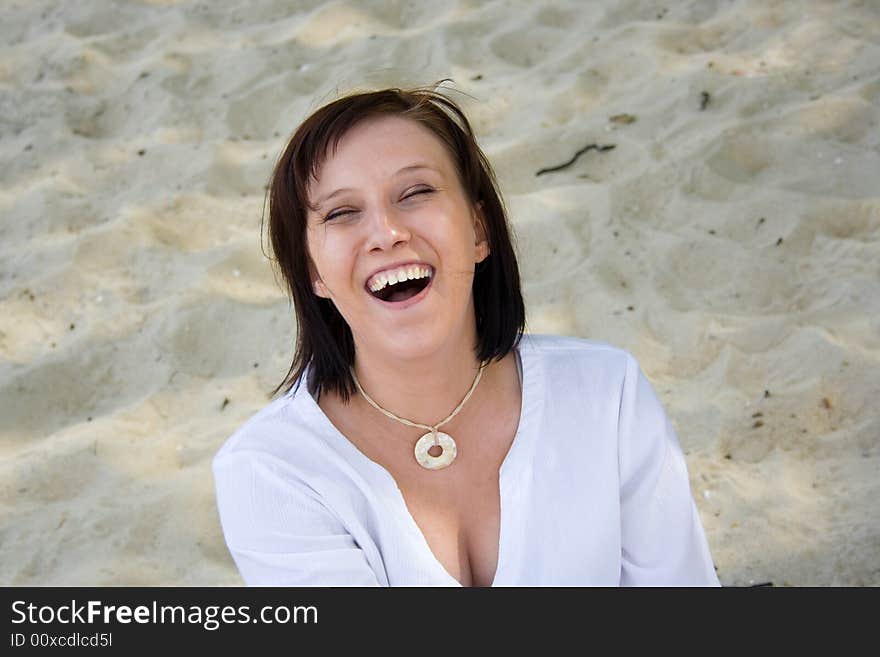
(460, 520)
(457, 509)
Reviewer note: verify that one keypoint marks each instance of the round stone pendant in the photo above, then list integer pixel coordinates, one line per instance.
(426, 442)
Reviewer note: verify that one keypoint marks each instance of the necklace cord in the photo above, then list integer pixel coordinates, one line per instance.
(432, 428)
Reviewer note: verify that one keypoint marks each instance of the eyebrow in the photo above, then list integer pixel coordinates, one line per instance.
(411, 167)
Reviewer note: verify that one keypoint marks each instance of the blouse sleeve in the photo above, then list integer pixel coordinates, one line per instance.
(662, 539)
(277, 529)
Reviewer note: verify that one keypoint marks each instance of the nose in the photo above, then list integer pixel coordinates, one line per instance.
(386, 228)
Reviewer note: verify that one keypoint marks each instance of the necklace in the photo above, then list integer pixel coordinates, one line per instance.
(429, 440)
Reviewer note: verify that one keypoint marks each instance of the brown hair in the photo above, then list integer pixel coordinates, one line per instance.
(324, 338)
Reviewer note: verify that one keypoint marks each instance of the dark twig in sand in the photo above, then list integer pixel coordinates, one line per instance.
(624, 119)
(586, 148)
(704, 100)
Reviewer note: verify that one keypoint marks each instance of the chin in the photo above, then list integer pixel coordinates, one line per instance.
(408, 343)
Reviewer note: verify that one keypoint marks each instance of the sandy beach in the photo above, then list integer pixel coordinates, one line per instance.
(725, 229)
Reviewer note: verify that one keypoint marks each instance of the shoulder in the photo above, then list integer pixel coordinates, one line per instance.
(563, 356)
(549, 343)
(275, 433)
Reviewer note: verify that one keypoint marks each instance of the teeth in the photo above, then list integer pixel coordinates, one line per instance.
(399, 275)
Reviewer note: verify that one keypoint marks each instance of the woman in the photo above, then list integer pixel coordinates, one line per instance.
(435, 443)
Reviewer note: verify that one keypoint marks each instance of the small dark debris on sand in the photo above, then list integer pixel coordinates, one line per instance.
(588, 147)
(705, 97)
(623, 119)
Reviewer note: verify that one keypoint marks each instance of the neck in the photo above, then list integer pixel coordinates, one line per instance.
(425, 389)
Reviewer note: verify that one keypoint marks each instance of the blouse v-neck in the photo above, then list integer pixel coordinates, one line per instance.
(512, 477)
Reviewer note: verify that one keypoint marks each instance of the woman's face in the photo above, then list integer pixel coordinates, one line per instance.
(401, 202)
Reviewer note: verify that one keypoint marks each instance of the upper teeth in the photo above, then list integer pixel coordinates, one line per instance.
(398, 275)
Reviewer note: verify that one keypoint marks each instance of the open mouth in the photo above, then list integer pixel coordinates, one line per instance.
(401, 291)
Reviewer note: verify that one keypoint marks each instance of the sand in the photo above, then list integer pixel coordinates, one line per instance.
(730, 240)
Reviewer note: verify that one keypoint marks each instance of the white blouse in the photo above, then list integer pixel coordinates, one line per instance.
(594, 489)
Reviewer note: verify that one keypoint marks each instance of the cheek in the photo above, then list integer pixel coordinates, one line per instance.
(328, 255)
(320, 247)
(458, 242)
(449, 231)
(313, 246)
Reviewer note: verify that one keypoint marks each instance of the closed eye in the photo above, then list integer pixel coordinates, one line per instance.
(334, 215)
(426, 190)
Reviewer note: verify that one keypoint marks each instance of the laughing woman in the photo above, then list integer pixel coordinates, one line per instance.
(434, 443)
